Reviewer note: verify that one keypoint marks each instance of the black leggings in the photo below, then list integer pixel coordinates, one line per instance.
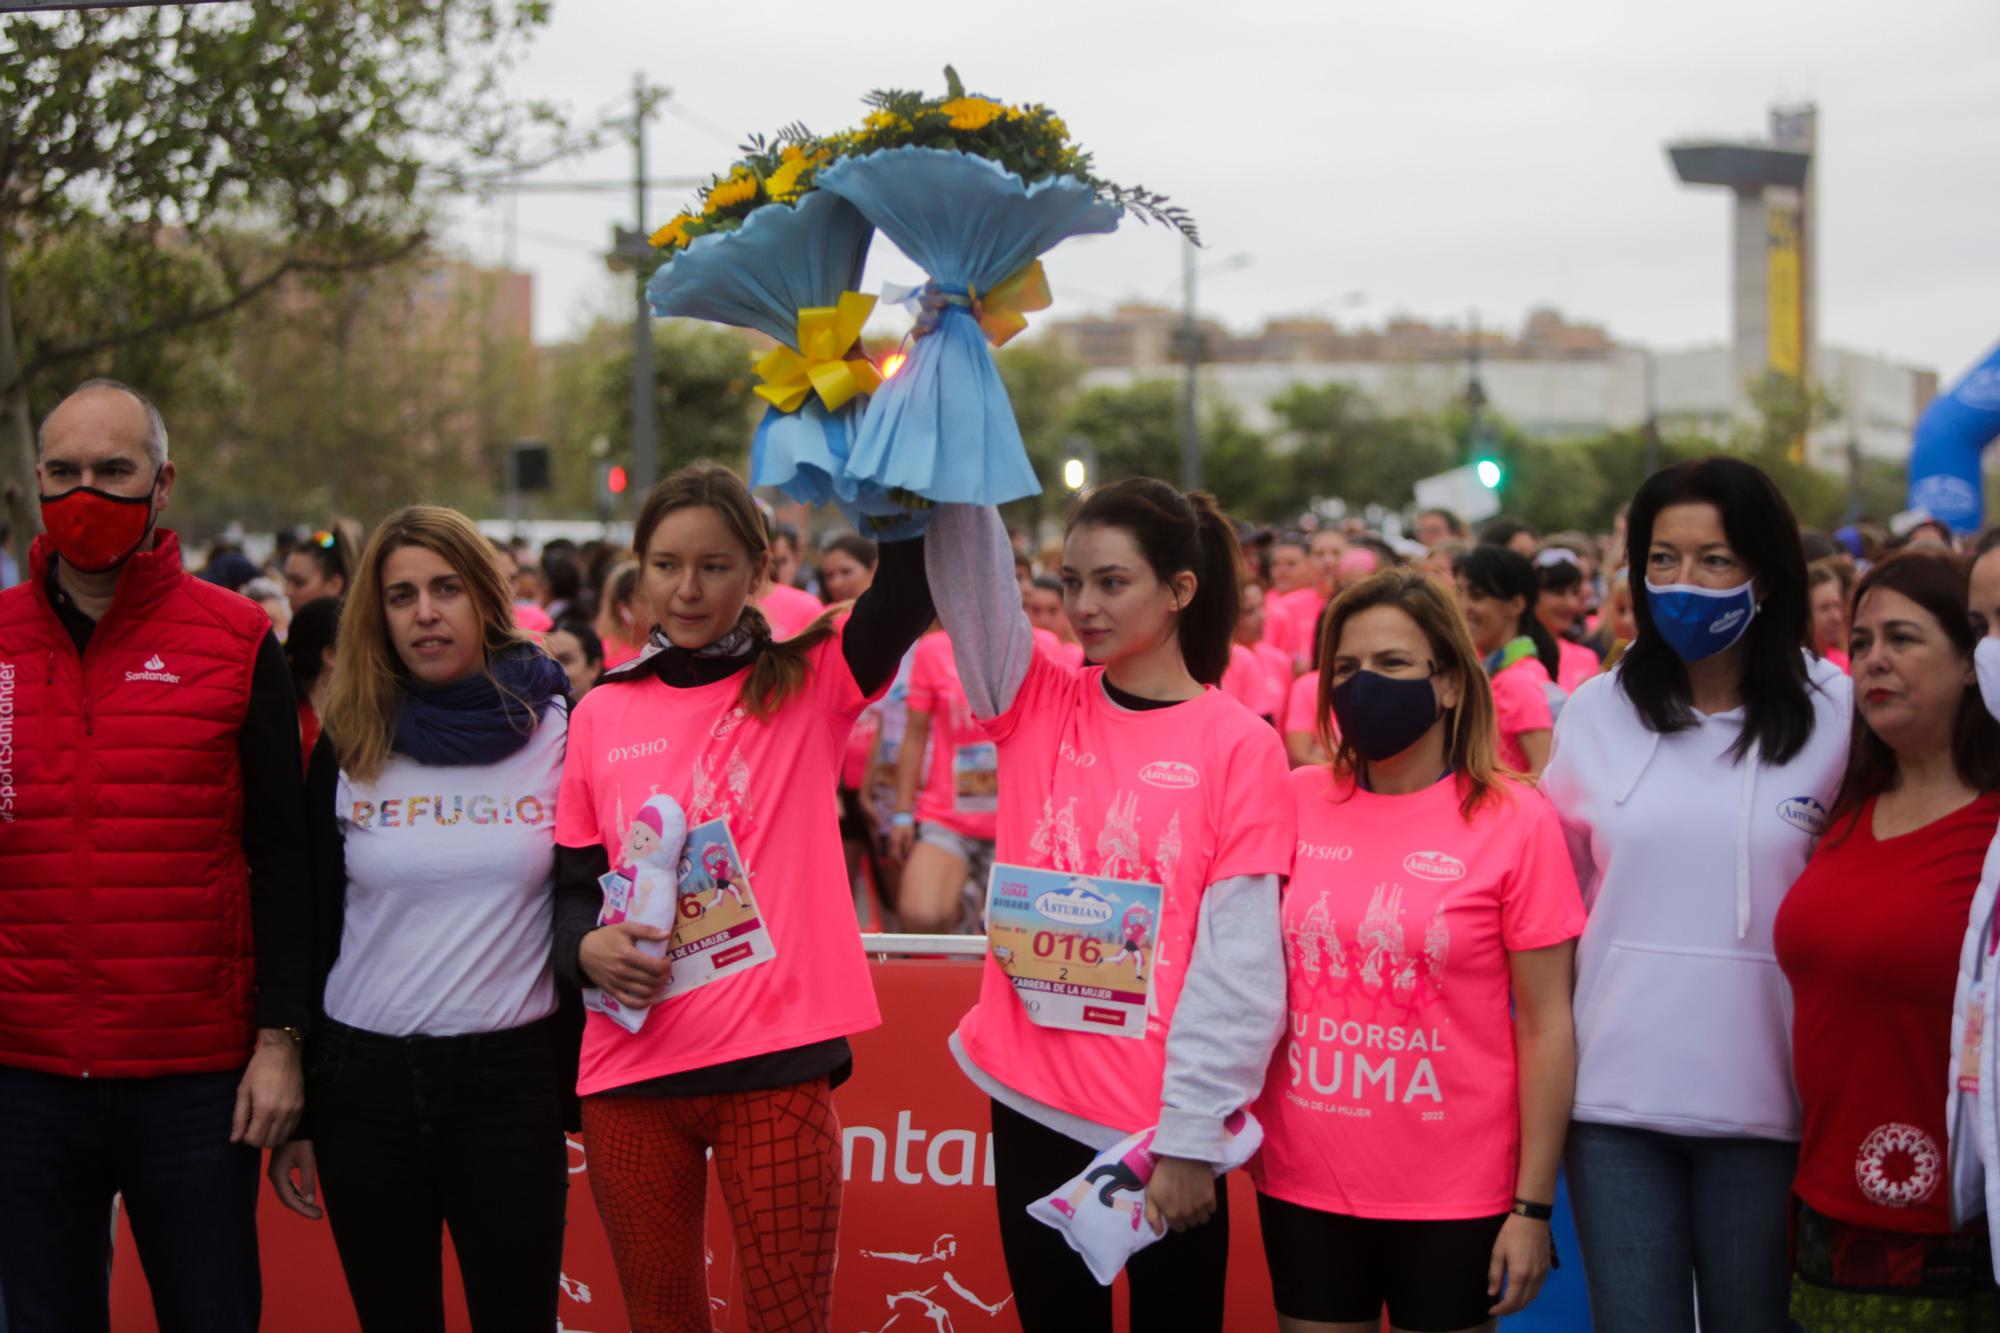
(1176, 1282)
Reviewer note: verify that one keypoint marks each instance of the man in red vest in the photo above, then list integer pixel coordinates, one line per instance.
(154, 925)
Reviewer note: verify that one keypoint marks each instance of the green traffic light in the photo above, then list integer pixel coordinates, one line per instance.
(1489, 474)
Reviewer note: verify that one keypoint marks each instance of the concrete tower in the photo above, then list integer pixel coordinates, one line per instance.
(1772, 279)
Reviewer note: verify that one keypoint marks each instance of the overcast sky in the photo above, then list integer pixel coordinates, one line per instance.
(1435, 158)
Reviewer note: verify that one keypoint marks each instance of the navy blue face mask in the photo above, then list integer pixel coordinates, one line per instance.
(1699, 622)
(1382, 716)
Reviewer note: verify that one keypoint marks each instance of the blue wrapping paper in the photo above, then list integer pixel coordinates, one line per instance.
(943, 427)
(783, 259)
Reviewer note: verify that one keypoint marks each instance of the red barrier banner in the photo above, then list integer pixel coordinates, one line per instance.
(919, 1245)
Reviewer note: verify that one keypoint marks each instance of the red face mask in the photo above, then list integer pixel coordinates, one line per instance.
(94, 530)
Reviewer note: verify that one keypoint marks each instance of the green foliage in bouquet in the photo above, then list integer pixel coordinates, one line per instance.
(775, 171)
(1029, 140)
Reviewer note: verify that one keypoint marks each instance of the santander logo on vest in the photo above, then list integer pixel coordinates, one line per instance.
(155, 669)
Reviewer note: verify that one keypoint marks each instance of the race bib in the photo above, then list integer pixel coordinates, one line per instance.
(718, 931)
(975, 774)
(1078, 949)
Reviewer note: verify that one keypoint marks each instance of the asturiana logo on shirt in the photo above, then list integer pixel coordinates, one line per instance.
(1804, 813)
(155, 669)
(6, 742)
(1434, 866)
(1170, 774)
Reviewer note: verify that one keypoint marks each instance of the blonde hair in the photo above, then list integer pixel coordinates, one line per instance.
(1472, 731)
(368, 675)
(780, 669)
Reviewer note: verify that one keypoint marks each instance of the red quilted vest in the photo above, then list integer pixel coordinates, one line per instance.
(124, 894)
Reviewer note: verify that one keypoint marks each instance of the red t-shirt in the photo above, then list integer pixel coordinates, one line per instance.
(1869, 938)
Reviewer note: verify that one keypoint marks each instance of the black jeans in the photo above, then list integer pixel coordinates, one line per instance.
(67, 1145)
(1176, 1282)
(414, 1134)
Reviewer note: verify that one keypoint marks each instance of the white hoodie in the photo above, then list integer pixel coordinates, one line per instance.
(1683, 1020)
(1972, 1115)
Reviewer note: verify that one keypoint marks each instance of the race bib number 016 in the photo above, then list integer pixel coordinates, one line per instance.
(1079, 950)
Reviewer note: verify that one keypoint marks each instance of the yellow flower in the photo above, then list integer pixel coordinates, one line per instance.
(783, 184)
(674, 234)
(740, 188)
(1057, 128)
(792, 153)
(885, 122)
(971, 113)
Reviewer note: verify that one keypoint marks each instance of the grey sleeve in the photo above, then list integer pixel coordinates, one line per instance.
(1230, 1017)
(971, 568)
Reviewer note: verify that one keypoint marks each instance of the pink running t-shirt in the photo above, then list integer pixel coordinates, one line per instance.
(773, 781)
(1248, 681)
(1521, 704)
(790, 610)
(1181, 797)
(964, 762)
(1302, 703)
(1393, 1094)
(1293, 618)
(1574, 665)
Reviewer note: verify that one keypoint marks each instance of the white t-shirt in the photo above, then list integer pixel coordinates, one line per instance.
(450, 872)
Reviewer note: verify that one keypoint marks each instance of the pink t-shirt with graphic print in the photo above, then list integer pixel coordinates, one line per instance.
(1182, 797)
(1289, 621)
(961, 753)
(1393, 1093)
(630, 741)
(1521, 704)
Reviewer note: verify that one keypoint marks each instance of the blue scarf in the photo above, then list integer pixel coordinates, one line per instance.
(483, 719)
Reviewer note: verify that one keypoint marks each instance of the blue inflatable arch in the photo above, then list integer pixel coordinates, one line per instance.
(1944, 454)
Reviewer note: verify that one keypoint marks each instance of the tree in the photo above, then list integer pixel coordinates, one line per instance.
(703, 406)
(359, 393)
(1136, 432)
(1346, 448)
(217, 152)
(1041, 383)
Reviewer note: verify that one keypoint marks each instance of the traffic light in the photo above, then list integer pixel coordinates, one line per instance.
(610, 485)
(1489, 472)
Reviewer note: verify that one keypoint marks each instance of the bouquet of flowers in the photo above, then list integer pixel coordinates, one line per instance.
(974, 190)
(763, 250)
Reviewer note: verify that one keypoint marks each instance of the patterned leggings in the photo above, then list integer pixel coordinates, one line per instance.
(777, 1153)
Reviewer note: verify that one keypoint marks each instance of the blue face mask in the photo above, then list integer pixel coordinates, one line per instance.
(1698, 623)
(1382, 716)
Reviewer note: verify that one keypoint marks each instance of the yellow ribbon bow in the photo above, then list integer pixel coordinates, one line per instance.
(821, 364)
(1003, 311)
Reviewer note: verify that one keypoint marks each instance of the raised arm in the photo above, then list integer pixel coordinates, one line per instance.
(971, 568)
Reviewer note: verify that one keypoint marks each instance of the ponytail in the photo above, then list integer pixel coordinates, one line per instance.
(781, 668)
(1545, 642)
(1208, 623)
(1178, 532)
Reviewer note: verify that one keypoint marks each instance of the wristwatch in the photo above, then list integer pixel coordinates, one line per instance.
(1534, 1212)
(298, 1037)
